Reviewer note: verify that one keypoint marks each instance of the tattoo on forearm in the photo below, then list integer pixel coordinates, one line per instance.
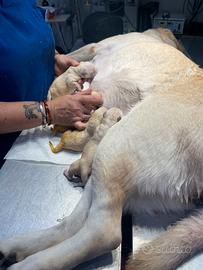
(31, 110)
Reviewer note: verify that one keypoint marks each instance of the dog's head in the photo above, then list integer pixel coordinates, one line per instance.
(165, 35)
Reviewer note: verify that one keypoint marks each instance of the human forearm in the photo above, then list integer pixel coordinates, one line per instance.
(16, 116)
(69, 110)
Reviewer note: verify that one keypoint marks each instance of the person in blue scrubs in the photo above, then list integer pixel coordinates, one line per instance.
(27, 68)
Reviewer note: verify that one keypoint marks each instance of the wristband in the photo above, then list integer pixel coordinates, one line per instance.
(47, 113)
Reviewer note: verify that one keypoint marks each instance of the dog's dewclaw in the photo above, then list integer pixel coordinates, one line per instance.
(56, 149)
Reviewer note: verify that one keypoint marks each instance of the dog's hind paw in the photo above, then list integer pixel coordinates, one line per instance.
(72, 178)
(2, 257)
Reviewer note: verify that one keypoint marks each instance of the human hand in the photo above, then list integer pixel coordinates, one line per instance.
(63, 62)
(74, 110)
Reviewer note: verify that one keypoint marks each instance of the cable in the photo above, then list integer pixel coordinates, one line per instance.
(193, 7)
(77, 13)
(184, 5)
(197, 8)
(116, 10)
(129, 21)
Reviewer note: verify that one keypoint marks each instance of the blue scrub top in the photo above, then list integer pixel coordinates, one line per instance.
(26, 52)
(26, 57)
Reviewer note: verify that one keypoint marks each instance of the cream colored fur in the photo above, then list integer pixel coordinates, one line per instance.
(151, 160)
(75, 140)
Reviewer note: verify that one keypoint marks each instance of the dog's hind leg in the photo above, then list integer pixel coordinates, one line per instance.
(83, 166)
(100, 233)
(17, 248)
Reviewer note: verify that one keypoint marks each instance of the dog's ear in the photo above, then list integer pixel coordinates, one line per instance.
(168, 37)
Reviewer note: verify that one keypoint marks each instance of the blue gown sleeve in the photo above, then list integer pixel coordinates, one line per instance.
(26, 52)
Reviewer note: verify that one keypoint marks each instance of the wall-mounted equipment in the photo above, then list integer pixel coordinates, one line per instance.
(175, 22)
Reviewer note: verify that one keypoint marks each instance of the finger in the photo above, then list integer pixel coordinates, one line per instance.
(91, 100)
(57, 70)
(85, 117)
(80, 125)
(76, 119)
(86, 92)
(72, 62)
(89, 108)
(86, 110)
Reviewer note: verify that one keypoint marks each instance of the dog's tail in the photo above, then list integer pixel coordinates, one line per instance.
(172, 248)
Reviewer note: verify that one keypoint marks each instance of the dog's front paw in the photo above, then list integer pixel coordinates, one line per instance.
(13, 250)
(74, 77)
(78, 172)
(86, 71)
(7, 257)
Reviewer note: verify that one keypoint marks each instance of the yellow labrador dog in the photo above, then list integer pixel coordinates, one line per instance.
(151, 160)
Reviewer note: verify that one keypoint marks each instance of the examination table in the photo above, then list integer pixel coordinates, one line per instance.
(34, 195)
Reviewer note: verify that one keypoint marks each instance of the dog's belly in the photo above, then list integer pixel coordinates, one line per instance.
(129, 74)
(152, 204)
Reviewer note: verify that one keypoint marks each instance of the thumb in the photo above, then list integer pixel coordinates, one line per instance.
(72, 62)
(85, 92)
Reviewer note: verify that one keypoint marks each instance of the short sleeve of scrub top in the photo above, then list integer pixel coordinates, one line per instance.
(26, 57)
(26, 52)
